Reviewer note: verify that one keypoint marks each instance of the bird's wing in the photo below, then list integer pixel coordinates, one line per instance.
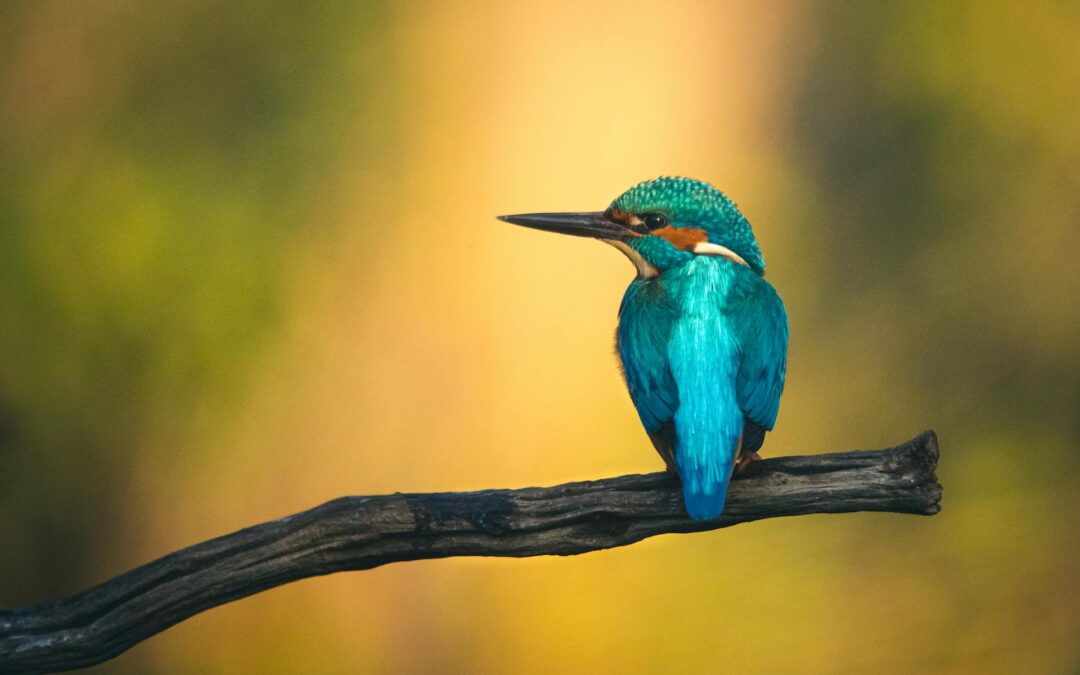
(759, 324)
(641, 342)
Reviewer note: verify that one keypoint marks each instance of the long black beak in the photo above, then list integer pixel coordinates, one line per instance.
(591, 224)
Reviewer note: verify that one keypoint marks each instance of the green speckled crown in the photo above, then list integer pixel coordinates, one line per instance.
(694, 204)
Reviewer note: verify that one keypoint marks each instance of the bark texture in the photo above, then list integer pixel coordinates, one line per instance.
(357, 533)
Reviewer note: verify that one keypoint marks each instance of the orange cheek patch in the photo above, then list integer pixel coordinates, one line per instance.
(684, 240)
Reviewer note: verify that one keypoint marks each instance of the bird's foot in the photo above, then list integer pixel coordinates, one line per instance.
(745, 461)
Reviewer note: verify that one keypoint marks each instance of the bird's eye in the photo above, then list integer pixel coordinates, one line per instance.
(654, 221)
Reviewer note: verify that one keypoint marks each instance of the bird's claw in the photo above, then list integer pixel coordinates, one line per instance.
(745, 461)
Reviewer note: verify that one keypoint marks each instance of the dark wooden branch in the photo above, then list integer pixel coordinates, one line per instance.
(357, 533)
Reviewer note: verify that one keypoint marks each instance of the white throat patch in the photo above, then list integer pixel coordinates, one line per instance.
(645, 269)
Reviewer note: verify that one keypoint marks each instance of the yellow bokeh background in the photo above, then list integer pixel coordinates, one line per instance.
(249, 264)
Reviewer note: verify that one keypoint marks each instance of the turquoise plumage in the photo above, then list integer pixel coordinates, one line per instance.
(702, 336)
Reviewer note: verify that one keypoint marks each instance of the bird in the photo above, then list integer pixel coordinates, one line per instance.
(702, 337)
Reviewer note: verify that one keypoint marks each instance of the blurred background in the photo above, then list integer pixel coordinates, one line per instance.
(248, 263)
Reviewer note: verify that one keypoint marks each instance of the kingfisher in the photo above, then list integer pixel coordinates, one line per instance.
(702, 336)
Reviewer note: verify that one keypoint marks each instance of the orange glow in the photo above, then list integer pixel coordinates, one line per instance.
(250, 264)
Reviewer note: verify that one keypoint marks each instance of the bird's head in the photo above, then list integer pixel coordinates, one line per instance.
(661, 224)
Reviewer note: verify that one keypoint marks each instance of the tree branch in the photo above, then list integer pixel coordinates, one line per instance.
(357, 533)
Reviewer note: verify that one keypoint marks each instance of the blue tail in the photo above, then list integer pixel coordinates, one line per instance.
(705, 505)
(705, 464)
